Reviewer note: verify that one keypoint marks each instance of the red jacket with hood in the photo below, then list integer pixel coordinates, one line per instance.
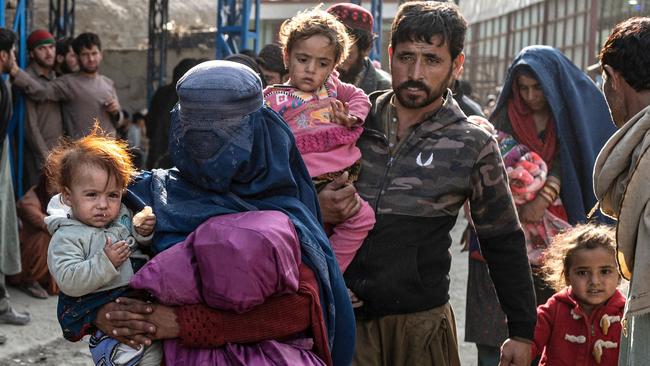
(565, 335)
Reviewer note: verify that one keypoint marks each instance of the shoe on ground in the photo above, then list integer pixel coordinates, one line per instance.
(34, 289)
(14, 317)
(3, 339)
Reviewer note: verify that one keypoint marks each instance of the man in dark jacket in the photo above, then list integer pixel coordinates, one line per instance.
(158, 118)
(357, 69)
(421, 161)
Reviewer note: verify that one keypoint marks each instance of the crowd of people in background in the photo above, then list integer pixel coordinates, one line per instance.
(369, 171)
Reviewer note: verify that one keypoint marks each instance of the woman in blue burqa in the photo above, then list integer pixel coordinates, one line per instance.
(552, 108)
(232, 155)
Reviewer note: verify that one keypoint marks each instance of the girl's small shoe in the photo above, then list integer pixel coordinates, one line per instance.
(35, 289)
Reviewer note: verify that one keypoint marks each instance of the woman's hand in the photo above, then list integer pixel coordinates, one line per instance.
(338, 200)
(533, 211)
(135, 322)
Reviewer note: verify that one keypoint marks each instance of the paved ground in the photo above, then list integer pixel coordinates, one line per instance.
(40, 342)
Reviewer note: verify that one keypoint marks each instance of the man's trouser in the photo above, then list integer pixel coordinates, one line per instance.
(423, 338)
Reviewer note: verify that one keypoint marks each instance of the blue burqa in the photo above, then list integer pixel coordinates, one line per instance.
(582, 119)
(251, 165)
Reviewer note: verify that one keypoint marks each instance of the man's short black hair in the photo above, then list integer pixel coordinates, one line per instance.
(627, 51)
(182, 67)
(420, 21)
(86, 40)
(362, 39)
(7, 39)
(63, 46)
(270, 58)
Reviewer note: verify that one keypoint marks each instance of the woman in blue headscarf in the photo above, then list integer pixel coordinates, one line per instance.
(552, 108)
(232, 155)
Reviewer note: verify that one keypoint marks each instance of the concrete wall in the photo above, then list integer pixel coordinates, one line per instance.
(128, 69)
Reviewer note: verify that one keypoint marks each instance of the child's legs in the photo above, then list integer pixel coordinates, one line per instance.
(109, 351)
(152, 355)
(349, 235)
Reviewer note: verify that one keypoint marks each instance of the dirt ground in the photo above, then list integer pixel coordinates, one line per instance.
(40, 342)
(57, 353)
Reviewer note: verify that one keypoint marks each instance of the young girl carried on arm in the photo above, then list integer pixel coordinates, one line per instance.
(324, 114)
(94, 249)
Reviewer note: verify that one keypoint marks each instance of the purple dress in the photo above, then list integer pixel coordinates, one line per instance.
(231, 262)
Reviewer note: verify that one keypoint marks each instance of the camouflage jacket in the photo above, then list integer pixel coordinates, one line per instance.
(417, 189)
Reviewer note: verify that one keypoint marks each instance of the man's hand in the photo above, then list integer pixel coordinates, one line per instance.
(14, 70)
(515, 353)
(118, 252)
(338, 200)
(340, 113)
(112, 106)
(356, 302)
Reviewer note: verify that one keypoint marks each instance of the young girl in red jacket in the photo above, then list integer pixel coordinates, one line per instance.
(581, 323)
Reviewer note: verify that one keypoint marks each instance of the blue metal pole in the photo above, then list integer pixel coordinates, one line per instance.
(257, 26)
(376, 10)
(246, 15)
(2, 13)
(18, 117)
(218, 40)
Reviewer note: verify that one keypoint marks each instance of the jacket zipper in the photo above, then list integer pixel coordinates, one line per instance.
(389, 164)
(391, 160)
(378, 135)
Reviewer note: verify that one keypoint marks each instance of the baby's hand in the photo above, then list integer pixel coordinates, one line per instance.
(341, 114)
(144, 221)
(118, 252)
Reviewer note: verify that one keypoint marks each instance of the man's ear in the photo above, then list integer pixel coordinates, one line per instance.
(390, 56)
(615, 78)
(457, 65)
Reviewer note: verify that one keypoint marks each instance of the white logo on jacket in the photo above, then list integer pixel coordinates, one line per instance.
(419, 162)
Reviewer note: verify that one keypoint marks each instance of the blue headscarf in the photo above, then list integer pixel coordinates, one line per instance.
(244, 164)
(582, 118)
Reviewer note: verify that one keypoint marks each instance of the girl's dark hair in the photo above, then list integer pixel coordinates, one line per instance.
(559, 255)
(315, 22)
(96, 149)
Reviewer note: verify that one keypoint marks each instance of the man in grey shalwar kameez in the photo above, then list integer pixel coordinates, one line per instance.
(622, 172)
(9, 244)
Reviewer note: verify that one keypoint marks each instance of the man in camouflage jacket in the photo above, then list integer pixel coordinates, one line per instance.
(421, 160)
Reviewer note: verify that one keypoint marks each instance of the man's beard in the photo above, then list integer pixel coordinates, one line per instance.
(87, 71)
(350, 76)
(431, 96)
(43, 64)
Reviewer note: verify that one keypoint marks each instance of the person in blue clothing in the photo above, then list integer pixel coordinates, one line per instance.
(233, 155)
